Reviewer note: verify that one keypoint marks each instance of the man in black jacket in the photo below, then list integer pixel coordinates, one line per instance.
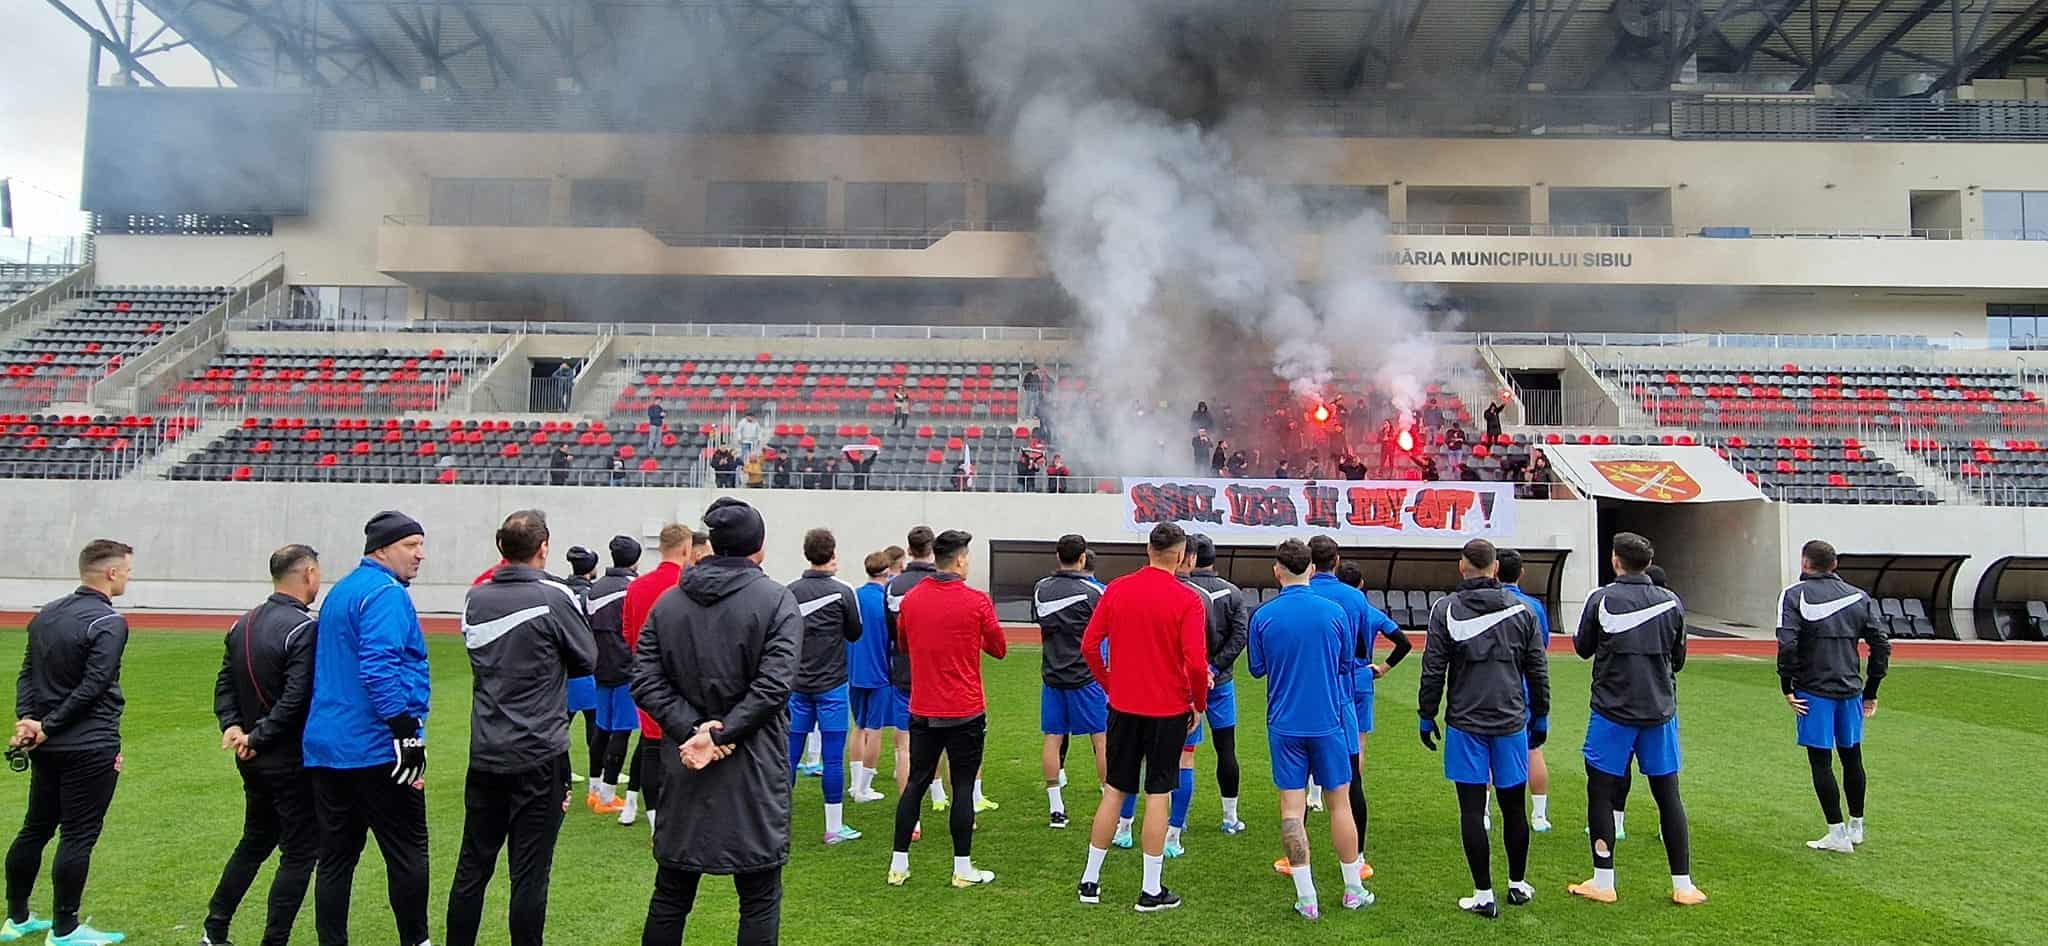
(1071, 703)
(616, 715)
(831, 616)
(1229, 630)
(1634, 632)
(1483, 646)
(582, 690)
(260, 696)
(1819, 621)
(526, 636)
(714, 666)
(67, 706)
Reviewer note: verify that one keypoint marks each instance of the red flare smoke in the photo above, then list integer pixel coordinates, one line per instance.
(1322, 413)
(1406, 440)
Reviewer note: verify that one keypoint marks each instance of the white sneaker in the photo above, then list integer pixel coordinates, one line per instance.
(1855, 831)
(1539, 825)
(1833, 841)
(1486, 821)
(863, 797)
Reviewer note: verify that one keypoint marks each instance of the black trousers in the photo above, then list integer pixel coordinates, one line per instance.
(277, 814)
(68, 794)
(675, 892)
(352, 804)
(961, 744)
(518, 811)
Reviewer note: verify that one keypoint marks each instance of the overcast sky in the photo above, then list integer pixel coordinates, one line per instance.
(42, 111)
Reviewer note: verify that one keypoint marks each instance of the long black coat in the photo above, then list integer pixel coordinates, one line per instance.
(723, 645)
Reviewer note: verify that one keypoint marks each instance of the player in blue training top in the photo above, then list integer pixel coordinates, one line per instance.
(1297, 644)
(870, 699)
(1539, 770)
(1363, 625)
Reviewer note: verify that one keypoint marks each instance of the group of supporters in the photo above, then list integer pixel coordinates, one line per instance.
(725, 673)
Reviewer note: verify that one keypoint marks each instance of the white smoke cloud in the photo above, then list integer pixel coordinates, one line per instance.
(1180, 241)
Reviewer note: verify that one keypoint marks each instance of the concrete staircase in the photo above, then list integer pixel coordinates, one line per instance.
(1929, 477)
(159, 467)
(1630, 413)
(29, 326)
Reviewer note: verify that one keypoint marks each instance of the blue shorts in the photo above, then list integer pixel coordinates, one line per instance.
(582, 694)
(615, 709)
(871, 706)
(1296, 759)
(1830, 723)
(1222, 712)
(1194, 738)
(1502, 761)
(825, 712)
(898, 701)
(1610, 745)
(1081, 711)
(1350, 723)
(1361, 707)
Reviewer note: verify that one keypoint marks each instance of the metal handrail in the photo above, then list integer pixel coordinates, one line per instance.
(78, 281)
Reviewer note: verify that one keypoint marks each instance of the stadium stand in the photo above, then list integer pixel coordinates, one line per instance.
(114, 324)
(854, 389)
(19, 281)
(342, 380)
(49, 446)
(2011, 472)
(1790, 396)
(1821, 470)
(501, 452)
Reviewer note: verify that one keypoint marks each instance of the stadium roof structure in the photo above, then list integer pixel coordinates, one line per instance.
(1330, 46)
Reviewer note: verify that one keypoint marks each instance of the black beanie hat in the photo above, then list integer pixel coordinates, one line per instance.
(582, 561)
(625, 551)
(389, 528)
(736, 528)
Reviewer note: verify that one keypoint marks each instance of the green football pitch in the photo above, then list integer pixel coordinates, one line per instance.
(1956, 760)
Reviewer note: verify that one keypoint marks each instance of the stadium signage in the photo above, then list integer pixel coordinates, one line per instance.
(1357, 509)
(1506, 259)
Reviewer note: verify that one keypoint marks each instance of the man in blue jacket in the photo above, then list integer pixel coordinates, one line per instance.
(365, 742)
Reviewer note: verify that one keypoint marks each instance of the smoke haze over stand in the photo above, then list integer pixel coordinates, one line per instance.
(1164, 220)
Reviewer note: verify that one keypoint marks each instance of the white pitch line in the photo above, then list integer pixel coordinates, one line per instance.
(1995, 673)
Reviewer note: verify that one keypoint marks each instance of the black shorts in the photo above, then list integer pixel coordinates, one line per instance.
(1150, 742)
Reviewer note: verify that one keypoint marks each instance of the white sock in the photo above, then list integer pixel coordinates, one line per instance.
(963, 867)
(1618, 829)
(606, 792)
(835, 817)
(1315, 794)
(1603, 878)
(1304, 883)
(1855, 824)
(938, 792)
(1681, 883)
(1059, 803)
(1523, 886)
(1230, 809)
(1123, 825)
(811, 748)
(1481, 898)
(632, 804)
(1838, 831)
(1063, 776)
(1092, 874)
(854, 769)
(1153, 867)
(978, 796)
(1172, 835)
(899, 862)
(1354, 873)
(650, 821)
(1541, 806)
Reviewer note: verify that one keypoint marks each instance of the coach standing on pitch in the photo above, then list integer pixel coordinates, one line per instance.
(67, 706)
(714, 666)
(365, 744)
(260, 697)
(526, 637)
(1157, 677)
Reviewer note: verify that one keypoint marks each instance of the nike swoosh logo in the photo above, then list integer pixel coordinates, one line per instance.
(1614, 623)
(1219, 594)
(896, 603)
(476, 636)
(1470, 628)
(1826, 609)
(1055, 606)
(813, 606)
(599, 604)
